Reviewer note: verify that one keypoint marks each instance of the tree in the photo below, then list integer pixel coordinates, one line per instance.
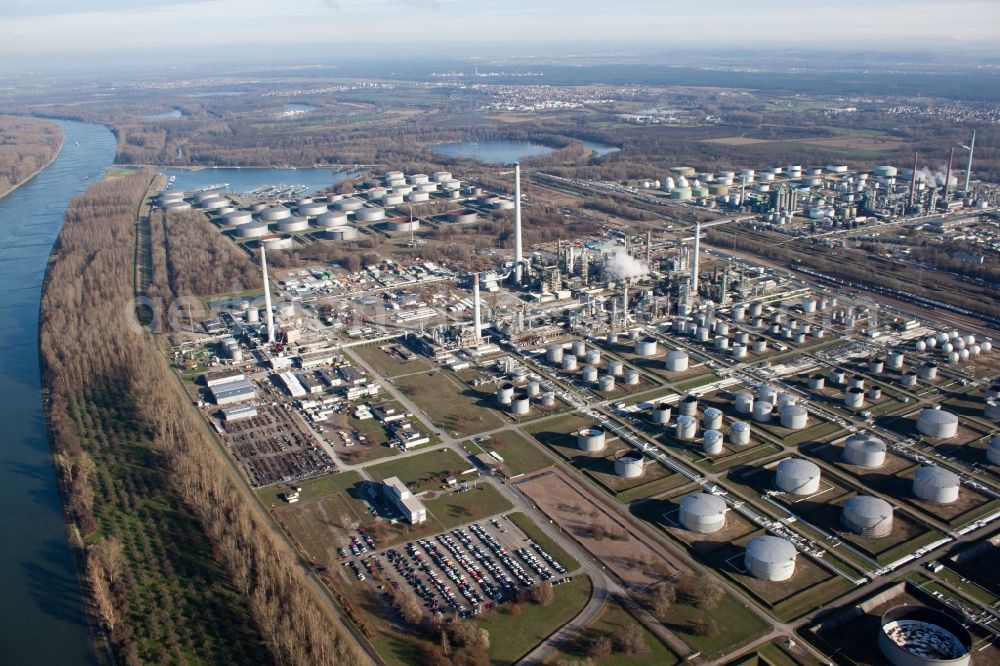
(631, 640)
(701, 591)
(662, 598)
(600, 648)
(542, 593)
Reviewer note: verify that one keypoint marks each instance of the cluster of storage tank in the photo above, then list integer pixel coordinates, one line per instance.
(953, 346)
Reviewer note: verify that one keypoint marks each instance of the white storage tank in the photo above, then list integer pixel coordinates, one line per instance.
(569, 363)
(341, 233)
(703, 513)
(590, 439)
(794, 417)
(548, 399)
(712, 442)
(631, 376)
(876, 366)
(606, 383)
(739, 433)
(554, 353)
(856, 381)
(333, 218)
(312, 209)
(871, 517)
(762, 411)
(348, 204)
(534, 388)
(817, 382)
(579, 348)
(743, 402)
(252, 230)
(770, 558)
(865, 450)
(291, 225)
(590, 374)
(520, 404)
(646, 347)
(687, 427)
(505, 393)
(758, 346)
(677, 361)
(854, 397)
(711, 419)
(369, 214)
(936, 484)
(688, 406)
(937, 423)
(661, 413)
(992, 410)
(874, 393)
(629, 465)
(616, 368)
(739, 350)
(797, 476)
(837, 377)
(908, 378)
(721, 342)
(993, 450)
(895, 360)
(593, 357)
(237, 217)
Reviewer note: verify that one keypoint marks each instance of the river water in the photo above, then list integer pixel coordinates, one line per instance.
(41, 616)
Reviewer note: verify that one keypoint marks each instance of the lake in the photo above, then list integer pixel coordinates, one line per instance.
(505, 151)
(41, 613)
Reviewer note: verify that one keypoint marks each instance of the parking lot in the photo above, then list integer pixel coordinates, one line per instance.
(272, 448)
(457, 573)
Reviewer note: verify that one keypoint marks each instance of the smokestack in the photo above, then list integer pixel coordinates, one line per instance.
(913, 183)
(625, 302)
(267, 297)
(694, 262)
(968, 170)
(517, 224)
(475, 308)
(947, 178)
(649, 248)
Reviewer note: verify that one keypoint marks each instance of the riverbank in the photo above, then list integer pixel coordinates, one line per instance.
(59, 148)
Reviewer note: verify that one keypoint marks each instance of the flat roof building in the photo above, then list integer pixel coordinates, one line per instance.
(238, 413)
(413, 510)
(227, 393)
(223, 376)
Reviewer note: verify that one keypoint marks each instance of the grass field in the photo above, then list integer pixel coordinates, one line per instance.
(526, 525)
(427, 470)
(611, 622)
(519, 455)
(738, 625)
(389, 365)
(454, 509)
(511, 637)
(450, 404)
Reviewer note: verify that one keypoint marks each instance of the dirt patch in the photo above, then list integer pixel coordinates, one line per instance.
(634, 559)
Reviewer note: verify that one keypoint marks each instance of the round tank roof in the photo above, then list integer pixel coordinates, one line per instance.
(868, 507)
(703, 504)
(937, 477)
(771, 549)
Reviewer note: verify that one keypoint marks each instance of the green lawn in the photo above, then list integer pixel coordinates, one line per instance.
(738, 625)
(611, 622)
(313, 489)
(390, 366)
(511, 637)
(454, 509)
(519, 455)
(427, 470)
(533, 532)
(450, 404)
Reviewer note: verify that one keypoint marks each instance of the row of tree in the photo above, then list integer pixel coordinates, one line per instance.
(89, 343)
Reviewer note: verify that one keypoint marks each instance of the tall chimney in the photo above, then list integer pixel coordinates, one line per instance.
(947, 178)
(518, 258)
(475, 308)
(913, 183)
(267, 297)
(968, 170)
(695, 263)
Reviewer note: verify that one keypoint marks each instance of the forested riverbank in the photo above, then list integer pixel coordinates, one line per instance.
(27, 145)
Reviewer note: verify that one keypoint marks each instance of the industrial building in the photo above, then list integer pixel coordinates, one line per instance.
(412, 509)
(227, 393)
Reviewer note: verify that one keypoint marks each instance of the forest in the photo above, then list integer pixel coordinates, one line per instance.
(180, 565)
(26, 146)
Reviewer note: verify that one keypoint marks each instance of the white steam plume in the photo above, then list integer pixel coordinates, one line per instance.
(623, 265)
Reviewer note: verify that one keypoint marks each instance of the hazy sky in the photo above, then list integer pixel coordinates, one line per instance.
(92, 27)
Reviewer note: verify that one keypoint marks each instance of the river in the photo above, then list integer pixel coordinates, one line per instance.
(41, 614)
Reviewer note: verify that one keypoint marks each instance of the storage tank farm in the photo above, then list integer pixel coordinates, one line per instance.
(935, 484)
(870, 517)
(703, 513)
(920, 636)
(770, 558)
(797, 476)
(864, 450)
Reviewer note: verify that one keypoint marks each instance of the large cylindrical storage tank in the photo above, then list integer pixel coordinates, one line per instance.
(341, 233)
(701, 335)
(854, 397)
(921, 636)
(677, 361)
(462, 216)
(175, 204)
(548, 399)
(590, 439)
(871, 517)
(275, 242)
(687, 427)
(520, 404)
(376, 193)
(441, 176)
(711, 419)
(661, 413)
(817, 382)
(993, 450)
(743, 402)
(794, 417)
(797, 476)
(767, 393)
(712, 442)
(291, 225)
(937, 423)
(895, 360)
(534, 387)
(554, 353)
(348, 204)
(721, 342)
(646, 347)
(606, 383)
(856, 381)
(505, 393)
(927, 371)
(739, 350)
(738, 312)
(739, 433)
(369, 214)
(312, 209)
(402, 224)
(630, 376)
(590, 374)
(758, 346)
(908, 378)
(770, 558)
(756, 309)
(419, 179)
(874, 393)
(579, 348)
(629, 465)
(237, 217)
(274, 214)
(593, 357)
(762, 411)
(992, 410)
(615, 368)
(252, 230)
(215, 203)
(703, 513)
(569, 363)
(333, 218)
(392, 199)
(837, 377)
(864, 450)
(876, 366)
(936, 484)
(688, 406)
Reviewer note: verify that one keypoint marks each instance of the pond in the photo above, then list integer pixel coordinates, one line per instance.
(506, 151)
